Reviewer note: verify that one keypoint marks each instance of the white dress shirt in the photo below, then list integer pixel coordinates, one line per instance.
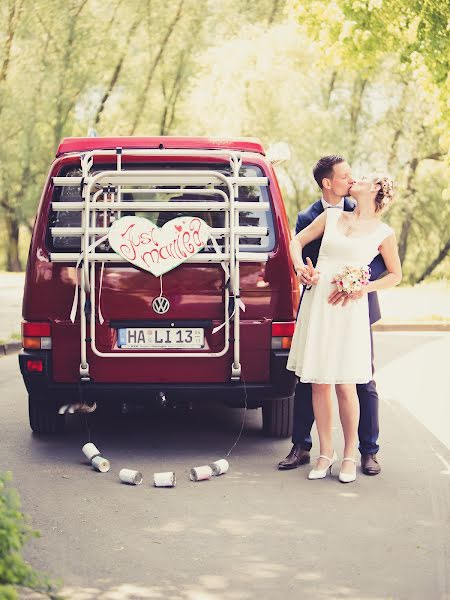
(326, 204)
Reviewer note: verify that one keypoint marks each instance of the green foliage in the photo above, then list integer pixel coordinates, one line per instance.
(15, 531)
(363, 78)
(360, 33)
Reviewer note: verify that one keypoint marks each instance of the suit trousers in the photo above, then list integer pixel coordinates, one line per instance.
(368, 429)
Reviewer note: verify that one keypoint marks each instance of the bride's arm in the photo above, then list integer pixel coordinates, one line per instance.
(389, 252)
(305, 236)
(306, 274)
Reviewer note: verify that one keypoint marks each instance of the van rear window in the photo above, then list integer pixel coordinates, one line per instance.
(71, 243)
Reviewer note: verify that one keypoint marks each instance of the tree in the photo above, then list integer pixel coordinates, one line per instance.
(408, 43)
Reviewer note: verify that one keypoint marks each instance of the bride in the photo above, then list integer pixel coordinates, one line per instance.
(331, 342)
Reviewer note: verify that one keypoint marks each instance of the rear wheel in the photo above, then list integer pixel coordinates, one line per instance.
(278, 417)
(44, 416)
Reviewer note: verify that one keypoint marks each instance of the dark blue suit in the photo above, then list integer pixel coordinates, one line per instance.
(367, 393)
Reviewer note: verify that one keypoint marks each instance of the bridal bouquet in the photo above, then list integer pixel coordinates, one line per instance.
(352, 279)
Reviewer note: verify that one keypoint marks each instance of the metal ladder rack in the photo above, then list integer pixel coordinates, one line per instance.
(118, 182)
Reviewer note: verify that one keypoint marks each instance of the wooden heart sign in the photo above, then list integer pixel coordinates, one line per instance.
(156, 249)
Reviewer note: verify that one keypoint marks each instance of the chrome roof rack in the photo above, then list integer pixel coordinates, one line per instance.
(102, 192)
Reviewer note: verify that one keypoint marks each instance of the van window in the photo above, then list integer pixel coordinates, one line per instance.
(213, 218)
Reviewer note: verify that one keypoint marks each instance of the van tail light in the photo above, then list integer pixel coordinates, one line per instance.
(36, 336)
(35, 366)
(282, 335)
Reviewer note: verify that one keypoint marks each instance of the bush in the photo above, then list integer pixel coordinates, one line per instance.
(15, 531)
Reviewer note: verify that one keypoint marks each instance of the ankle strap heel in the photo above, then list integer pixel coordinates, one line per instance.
(347, 477)
(321, 473)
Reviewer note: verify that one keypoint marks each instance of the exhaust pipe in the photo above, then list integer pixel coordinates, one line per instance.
(80, 407)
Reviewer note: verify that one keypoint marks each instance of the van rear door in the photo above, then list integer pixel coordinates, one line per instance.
(130, 303)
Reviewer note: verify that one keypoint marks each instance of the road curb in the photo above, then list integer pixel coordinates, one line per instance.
(411, 327)
(10, 348)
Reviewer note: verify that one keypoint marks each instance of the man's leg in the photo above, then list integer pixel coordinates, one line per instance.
(301, 432)
(368, 429)
(303, 416)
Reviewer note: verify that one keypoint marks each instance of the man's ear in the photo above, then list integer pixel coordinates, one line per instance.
(326, 183)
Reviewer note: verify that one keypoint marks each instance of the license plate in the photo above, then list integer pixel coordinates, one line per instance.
(161, 337)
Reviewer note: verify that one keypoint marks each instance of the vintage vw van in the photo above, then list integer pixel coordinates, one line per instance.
(159, 269)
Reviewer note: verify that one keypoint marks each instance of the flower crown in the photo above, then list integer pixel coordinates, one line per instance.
(387, 187)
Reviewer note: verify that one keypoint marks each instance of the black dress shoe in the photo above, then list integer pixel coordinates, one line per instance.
(296, 457)
(369, 464)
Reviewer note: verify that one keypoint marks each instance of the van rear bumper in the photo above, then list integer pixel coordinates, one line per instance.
(281, 385)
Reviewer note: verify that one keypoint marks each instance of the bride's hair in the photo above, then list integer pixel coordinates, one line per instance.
(386, 193)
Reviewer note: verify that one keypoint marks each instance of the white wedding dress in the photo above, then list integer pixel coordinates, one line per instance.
(331, 344)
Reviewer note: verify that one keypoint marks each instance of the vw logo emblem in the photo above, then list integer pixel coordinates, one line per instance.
(160, 305)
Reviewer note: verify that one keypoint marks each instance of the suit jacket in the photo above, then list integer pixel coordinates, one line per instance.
(377, 266)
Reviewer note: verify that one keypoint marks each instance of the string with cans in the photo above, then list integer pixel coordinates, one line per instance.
(168, 478)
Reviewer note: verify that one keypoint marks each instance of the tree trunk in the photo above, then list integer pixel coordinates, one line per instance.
(399, 129)
(431, 267)
(409, 212)
(330, 89)
(171, 99)
(63, 104)
(116, 73)
(404, 235)
(143, 97)
(355, 110)
(12, 242)
(14, 14)
(273, 12)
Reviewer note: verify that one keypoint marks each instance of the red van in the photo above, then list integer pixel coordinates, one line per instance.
(103, 325)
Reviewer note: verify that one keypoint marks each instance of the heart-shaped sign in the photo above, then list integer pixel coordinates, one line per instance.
(156, 249)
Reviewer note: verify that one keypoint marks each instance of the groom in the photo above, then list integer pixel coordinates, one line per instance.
(333, 175)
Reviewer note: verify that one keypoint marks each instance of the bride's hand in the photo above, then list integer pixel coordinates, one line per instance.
(306, 274)
(314, 274)
(356, 295)
(337, 297)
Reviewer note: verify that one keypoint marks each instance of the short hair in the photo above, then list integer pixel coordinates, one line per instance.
(324, 167)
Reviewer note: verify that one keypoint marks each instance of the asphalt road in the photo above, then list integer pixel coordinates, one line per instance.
(11, 292)
(254, 533)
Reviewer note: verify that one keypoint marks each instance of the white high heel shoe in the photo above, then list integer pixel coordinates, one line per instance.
(347, 477)
(321, 473)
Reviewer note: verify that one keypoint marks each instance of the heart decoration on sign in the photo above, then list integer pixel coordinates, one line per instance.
(158, 249)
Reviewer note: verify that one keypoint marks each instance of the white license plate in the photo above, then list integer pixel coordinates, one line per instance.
(161, 337)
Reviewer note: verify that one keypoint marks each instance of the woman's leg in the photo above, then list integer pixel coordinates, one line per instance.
(349, 415)
(323, 414)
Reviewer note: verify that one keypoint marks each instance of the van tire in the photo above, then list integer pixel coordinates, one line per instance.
(44, 416)
(278, 417)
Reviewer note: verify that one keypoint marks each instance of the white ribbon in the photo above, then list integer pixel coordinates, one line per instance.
(100, 316)
(73, 312)
(227, 274)
(229, 317)
(219, 252)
